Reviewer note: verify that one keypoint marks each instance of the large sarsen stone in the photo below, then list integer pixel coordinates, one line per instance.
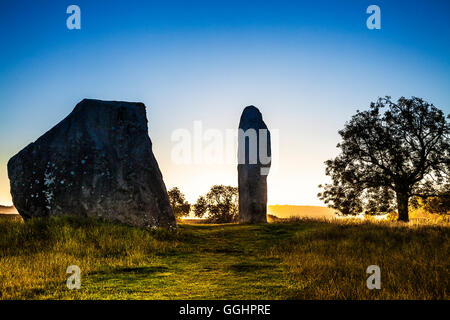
(97, 162)
(254, 160)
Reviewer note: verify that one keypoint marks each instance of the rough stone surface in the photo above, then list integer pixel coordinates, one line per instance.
(97, 162)
(254, 151)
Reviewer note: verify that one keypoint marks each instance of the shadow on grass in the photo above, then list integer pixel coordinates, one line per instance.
(148, 270)
(244, 267)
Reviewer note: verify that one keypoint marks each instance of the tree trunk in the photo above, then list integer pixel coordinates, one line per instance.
(402, 206)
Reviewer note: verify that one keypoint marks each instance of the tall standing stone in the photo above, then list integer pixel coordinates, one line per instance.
(97, 162)
(254, 160)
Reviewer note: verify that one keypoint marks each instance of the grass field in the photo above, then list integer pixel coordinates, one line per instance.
(284, 260)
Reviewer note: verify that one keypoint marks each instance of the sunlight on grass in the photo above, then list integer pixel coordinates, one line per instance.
(291, 259)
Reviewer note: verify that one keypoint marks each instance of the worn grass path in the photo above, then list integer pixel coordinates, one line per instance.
(215, 262)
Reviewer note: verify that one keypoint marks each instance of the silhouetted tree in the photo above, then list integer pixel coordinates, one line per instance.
(435, 204)
(200, 207)
(220, 204)
(178, 203)
(390, 153)
(440, 205)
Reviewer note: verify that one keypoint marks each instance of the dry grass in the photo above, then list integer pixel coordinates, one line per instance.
(328, 263)
(291, 259)
(35, 255)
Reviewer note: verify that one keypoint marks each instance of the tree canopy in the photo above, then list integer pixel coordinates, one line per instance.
(178, 203)
(390, 153)
(219, 205)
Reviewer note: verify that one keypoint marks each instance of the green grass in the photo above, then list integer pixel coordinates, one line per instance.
(286, 260)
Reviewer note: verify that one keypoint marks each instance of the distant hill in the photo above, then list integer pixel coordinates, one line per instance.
(7, 209)
(287, 211)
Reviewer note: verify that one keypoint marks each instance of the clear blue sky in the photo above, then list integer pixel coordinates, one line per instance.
(307, 65)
